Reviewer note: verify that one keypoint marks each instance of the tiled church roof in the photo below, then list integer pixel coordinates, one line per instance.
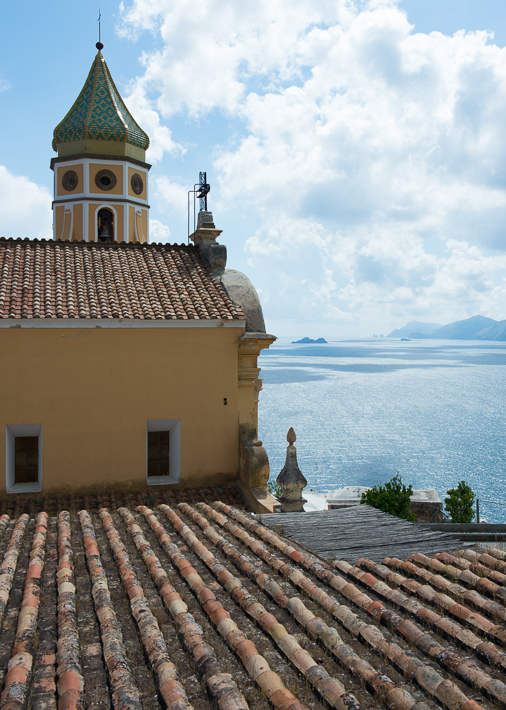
(199, 606)
(48, 279)
(99, 113)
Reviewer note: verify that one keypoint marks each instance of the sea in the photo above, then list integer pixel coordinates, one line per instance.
(433, 411)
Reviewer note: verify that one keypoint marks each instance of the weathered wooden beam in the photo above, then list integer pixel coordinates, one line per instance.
(346, 533)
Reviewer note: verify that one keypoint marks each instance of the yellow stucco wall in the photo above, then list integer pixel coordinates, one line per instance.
(63, 218)
(77, 231)
(131, 223)
(60, 172)
(93, 391)
(59, 211)
(118, 172)
(141, 222)
(123, 231)
(120, 222)
(86, 145)
(144, 176)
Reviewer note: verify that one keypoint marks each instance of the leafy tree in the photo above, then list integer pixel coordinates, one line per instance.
(392, 497)
(274, 488)
(460, 503)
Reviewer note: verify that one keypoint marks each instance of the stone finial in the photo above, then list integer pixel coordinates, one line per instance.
(291, 480)
(205, 220)
(205, 237)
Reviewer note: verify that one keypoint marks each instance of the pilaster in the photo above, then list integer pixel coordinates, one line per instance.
(250, 346)
(253, 461)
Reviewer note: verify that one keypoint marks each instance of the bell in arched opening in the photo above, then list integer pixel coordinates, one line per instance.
(105, 226)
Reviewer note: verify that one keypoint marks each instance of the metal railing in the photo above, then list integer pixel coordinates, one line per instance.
(484, 500)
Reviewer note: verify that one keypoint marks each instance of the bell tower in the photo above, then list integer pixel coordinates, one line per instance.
(100, 174)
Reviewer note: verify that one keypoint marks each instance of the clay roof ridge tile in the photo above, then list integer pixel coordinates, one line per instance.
(152, 272)
(134, 284)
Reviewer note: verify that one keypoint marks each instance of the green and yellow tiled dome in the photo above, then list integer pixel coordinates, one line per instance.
(99, 121)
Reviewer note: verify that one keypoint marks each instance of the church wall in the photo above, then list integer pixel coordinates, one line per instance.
(117, 169)
(59, 212)
(141, 225)
(78, 221)
(131, 224)
(94, 390)
(144, 175)
(64, 221)
(120, 222)
(78, 168)
(77, 231)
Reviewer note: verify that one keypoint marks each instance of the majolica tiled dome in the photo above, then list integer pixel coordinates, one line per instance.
(99, 113)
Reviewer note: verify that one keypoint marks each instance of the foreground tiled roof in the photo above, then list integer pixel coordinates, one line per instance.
(33, 504)
(99, 113)
(203, 606)
(61, 279)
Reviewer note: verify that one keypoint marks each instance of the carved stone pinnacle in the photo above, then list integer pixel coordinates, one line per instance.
(291, 480)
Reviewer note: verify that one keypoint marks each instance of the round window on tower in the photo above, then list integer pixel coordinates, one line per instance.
(70, 180)
(137, 183)
(105, 180)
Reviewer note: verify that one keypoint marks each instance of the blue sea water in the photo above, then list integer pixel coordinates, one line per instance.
(434, 411)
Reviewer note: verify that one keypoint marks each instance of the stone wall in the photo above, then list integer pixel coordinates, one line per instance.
(426, 505)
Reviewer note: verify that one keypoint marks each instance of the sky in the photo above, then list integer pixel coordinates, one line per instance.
(356, 150)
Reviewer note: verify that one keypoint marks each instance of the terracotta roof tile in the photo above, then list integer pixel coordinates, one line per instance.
(31, 504)
(89, 280)
(116, 604)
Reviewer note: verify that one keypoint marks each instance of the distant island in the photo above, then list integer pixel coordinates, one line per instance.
(475, 328)
(310, 341)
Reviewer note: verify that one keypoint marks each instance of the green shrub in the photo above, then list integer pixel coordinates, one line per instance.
(460, 503)
(274, 488)
(392, 497)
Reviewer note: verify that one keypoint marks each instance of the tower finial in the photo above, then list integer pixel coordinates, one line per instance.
(99, 44)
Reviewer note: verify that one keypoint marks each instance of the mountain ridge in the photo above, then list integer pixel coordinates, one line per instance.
(414, 326)
(474, 328)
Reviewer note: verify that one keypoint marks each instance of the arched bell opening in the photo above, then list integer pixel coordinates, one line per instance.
(105, 225)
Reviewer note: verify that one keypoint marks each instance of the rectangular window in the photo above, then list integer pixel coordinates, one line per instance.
(158, 453)
(163, 451)
(23, 458)
(26, 459)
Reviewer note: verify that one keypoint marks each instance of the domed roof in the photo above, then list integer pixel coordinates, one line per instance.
(243, 293)
(99, 114)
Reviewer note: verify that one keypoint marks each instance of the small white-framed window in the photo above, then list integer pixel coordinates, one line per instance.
(23, 458)
(163, 451)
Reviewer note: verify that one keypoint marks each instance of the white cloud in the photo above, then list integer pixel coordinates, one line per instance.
(25, 207)
(171, 196)
(160, 137)
(374, 157)
(158, 232)
(209, 52)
